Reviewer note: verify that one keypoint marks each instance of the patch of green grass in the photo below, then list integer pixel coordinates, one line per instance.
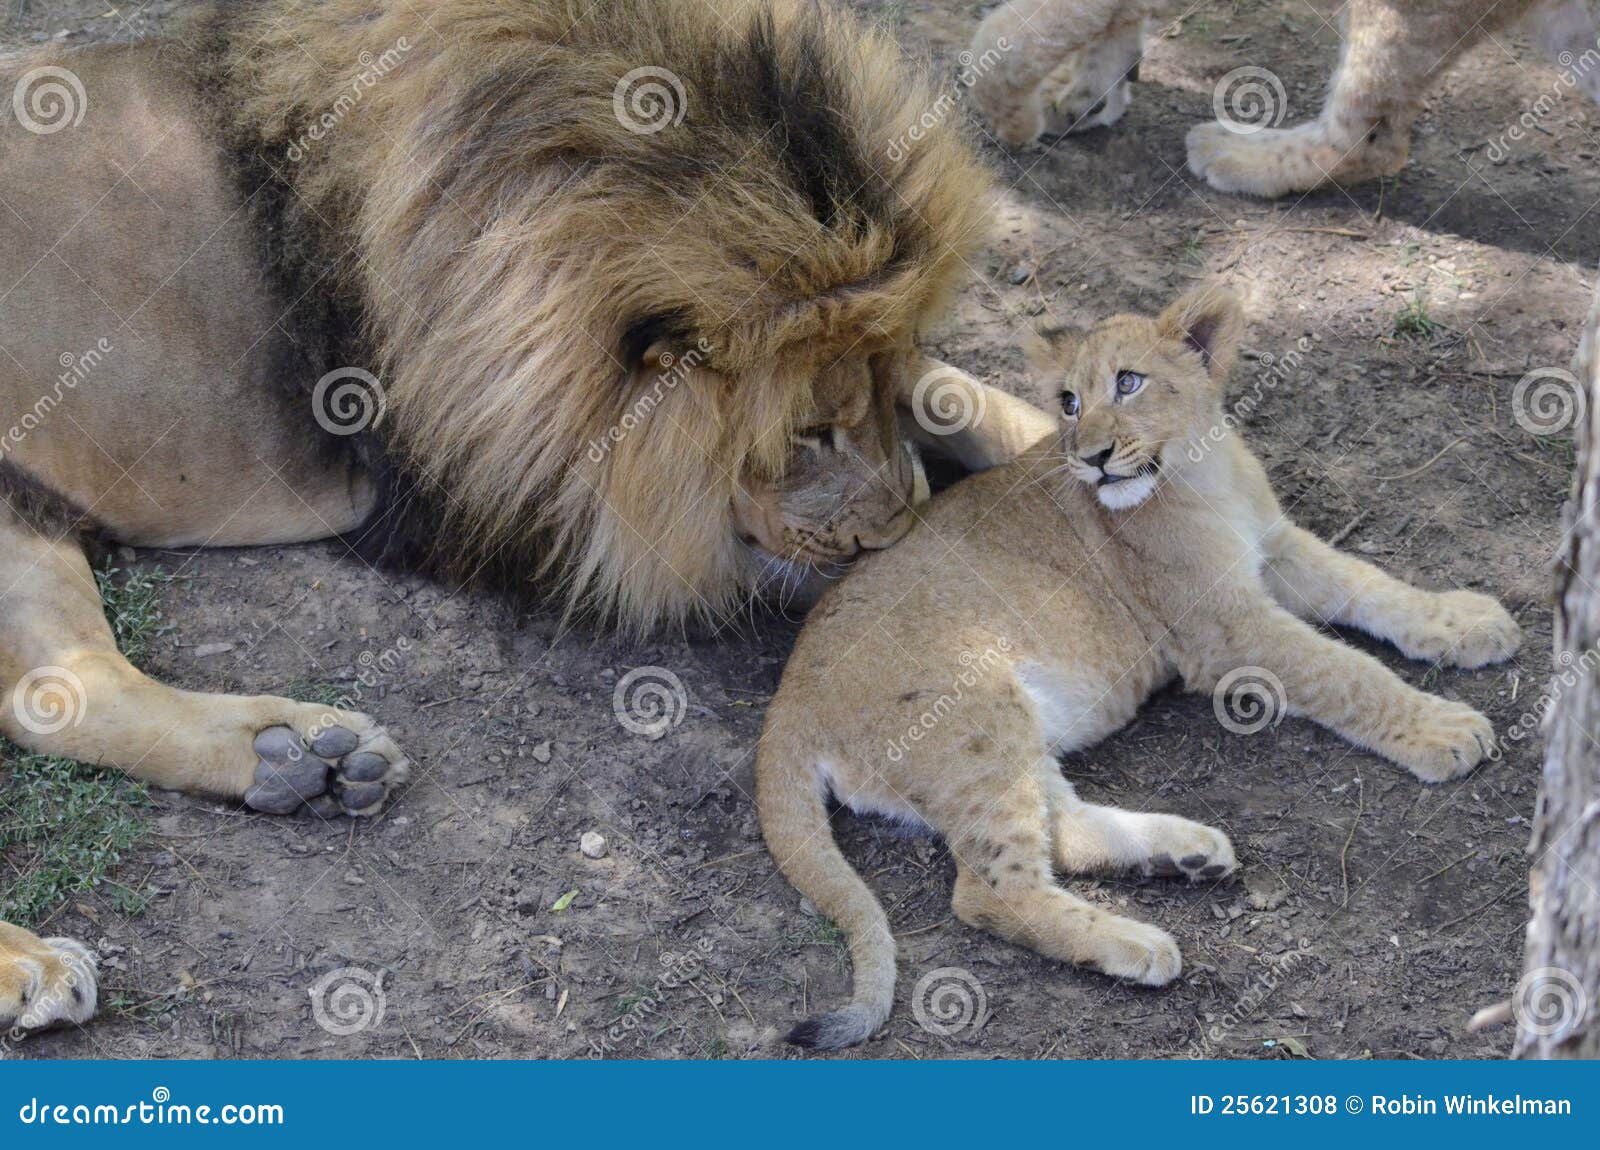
(322, 693)
(63, 826)
(1414, 322)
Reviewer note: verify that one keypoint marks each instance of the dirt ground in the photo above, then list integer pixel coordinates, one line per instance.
(1371, 915)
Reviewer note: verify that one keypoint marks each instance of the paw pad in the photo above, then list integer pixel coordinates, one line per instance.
(338, 772)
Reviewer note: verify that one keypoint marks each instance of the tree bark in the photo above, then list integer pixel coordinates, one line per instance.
(1557, 1002)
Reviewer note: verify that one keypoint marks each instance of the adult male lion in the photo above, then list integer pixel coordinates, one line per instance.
(634, 286)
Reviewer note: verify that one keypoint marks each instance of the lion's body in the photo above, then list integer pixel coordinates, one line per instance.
(1068, 61)
(651, 366)
(946, 701)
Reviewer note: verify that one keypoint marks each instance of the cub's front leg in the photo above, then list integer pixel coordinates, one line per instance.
(1345, 690)
(1317, 581)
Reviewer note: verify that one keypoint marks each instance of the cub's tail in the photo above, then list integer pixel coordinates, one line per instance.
(794, 820)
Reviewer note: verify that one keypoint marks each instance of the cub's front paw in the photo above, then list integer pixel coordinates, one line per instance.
(1182, 848)
(1136, 951)
(1445, 740)
(45, 981)
(1461, 629)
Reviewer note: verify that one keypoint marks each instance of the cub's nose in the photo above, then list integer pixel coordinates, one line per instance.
(1098, 459)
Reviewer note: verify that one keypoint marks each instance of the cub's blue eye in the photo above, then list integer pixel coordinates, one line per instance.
(1129, 382)
(1069, 403)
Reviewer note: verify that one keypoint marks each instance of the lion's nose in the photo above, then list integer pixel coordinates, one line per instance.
(1098, 458)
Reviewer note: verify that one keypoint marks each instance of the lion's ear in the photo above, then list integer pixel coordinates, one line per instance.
(1048, 349)
(1209, 320)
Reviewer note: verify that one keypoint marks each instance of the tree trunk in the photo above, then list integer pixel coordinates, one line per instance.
(1557, 1003)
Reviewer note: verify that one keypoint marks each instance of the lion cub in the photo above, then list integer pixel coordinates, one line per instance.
(1034, 609)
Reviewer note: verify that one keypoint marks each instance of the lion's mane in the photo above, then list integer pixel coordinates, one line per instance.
(474, 191)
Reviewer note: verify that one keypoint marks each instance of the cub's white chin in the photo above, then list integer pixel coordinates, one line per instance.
(1128, 493)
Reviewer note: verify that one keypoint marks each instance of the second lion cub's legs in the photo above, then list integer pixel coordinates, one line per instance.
(1390, 57)
(1456, 628)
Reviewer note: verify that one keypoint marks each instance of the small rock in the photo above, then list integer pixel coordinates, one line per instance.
(1020, 274)
(593, 845)
(541, 751)
(205, 650)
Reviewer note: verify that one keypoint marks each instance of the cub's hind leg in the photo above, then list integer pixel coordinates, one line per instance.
(1455, 628)
(1005, 884)
(1087, 838)
(1390, 57)
(44, 981)
(66, 690)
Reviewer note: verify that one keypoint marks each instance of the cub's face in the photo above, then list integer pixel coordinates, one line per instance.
(1134, 392)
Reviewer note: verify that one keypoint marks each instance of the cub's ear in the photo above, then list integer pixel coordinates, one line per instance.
(1209, 320)
(1048, 349)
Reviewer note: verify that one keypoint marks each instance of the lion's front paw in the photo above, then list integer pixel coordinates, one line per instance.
(1446, 740)
(1180, 847)
(1461, 629)
(1136, 951)
(45, 981)
(348, 768)
(1267, 162)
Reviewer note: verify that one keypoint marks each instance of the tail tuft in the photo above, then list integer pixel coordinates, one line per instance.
(849, 1027)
